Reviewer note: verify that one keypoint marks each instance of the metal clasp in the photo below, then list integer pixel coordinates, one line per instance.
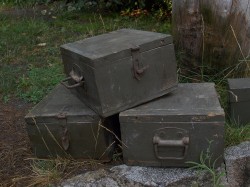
(65, 133)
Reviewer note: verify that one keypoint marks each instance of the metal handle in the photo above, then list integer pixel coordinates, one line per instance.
(157, 141)
(76, 78)
(79, 84)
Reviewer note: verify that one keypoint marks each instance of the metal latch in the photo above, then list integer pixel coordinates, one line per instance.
(65, 133)
(138, 69)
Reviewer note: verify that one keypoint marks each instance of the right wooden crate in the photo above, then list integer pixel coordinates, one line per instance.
(177, 128)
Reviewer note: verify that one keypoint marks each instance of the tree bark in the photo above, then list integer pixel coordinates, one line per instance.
(213, 32)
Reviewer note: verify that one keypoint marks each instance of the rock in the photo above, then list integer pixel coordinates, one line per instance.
(237, 160)
(122, 176)
(149, 176)
(98, 178)
(237, 168)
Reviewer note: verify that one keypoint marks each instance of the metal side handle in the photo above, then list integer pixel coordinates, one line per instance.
(79, 84)
(158, 142)
(76, 78)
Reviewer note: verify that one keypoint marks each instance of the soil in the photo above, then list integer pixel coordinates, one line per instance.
(14, 143)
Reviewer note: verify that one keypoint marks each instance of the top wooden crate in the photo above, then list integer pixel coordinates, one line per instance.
(119, 70)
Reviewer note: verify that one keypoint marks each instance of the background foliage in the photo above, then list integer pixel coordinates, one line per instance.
(160, 8)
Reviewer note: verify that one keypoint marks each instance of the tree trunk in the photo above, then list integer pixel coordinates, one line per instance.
(215, 32)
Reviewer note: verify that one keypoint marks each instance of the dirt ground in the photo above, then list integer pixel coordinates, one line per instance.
(14, 143)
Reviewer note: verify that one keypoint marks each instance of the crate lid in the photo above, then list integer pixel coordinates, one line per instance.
(116, 45)
(61, 104)
(190, 102)
(239, 89)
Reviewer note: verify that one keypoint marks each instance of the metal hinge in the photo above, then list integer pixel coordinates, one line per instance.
(138, 69)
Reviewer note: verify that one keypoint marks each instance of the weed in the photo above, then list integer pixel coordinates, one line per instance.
(207, 165)
(6, 98)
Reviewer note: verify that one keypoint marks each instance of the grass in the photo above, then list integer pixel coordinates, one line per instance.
(22, 3)
(236, 133)
(38, 81)
(20, 57)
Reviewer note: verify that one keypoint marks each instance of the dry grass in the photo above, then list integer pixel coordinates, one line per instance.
(117, 138)
(45, 172)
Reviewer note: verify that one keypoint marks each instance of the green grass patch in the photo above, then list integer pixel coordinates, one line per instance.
(38, 82)
(235, 134)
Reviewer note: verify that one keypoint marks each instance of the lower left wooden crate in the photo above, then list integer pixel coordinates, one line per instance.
(62, 125)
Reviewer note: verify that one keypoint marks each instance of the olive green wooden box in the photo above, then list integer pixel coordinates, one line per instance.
(121, 69)
(175, 129)
(61, 125)
(239, 100)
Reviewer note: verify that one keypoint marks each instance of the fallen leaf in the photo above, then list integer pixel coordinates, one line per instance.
(41, 44)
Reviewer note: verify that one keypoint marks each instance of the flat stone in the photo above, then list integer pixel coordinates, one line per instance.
(98, 178)
(149, 176)
(122, 176)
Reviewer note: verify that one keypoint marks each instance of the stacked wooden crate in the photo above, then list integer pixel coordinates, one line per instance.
(132, 74)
